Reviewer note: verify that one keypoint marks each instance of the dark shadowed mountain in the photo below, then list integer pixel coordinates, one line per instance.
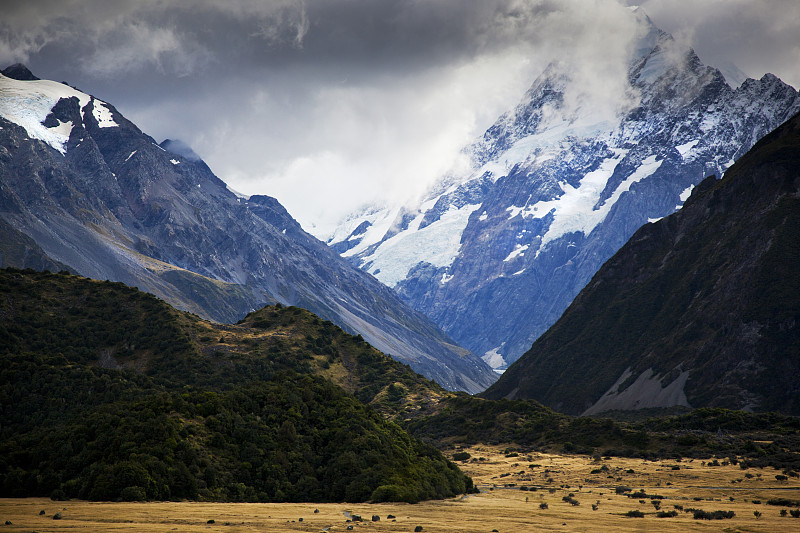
(701, 308)
(83, 188)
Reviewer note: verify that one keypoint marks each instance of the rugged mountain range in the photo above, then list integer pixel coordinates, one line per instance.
(698, 309)
(83, 188)
(496, 254)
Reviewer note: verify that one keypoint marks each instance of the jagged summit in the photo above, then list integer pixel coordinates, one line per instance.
(19, 72)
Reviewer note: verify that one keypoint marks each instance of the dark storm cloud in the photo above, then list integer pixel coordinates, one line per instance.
(184, 37)
(330, 103)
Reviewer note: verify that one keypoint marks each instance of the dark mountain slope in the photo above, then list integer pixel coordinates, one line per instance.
(97, 194)
(109, 393)
(700, 308)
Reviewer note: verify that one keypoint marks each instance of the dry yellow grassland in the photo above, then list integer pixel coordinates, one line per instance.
(501, 506)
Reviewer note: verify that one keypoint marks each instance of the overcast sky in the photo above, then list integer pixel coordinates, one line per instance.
(328, 104)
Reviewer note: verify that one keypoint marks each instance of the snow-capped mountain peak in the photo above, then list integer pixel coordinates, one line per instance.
(556, 186)
(31, 104)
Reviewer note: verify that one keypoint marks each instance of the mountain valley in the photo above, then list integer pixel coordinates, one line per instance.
(83, 189)
(606, 299)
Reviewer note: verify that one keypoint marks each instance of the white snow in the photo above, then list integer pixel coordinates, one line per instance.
(514, 210)
(445, 278)
(519, 249)
(63, 129)
(548, 142)
(518, 272)
(27, 103)
(174, 161)
(483, 216)
(575, 210)
(687, 192)
(711, 122)
(494, 359)
(380, 219)
(130, 155)
(685, 148)
(103, 115)
(437, 244)
(651, 220)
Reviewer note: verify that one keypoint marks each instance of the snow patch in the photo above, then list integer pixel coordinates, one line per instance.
(519, 249)
(547, 142)
(687, 192)
(102, 115)
(380, 220)
(575, 210)
(27, 104)
(514, 210)
(445, 278)
(63, 129)
(130, 155)
(494, 359)
(174, 161)
(437, 244)
(685, 148)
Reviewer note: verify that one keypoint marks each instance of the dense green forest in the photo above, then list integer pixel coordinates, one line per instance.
(107, 393)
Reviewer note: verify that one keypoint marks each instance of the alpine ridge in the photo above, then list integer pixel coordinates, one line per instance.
(698, 309)
(495, 255)
(84, 189)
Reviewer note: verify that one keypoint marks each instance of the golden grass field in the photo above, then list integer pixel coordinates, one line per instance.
(501, 506)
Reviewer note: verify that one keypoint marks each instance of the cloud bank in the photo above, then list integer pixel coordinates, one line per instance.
(328, 104)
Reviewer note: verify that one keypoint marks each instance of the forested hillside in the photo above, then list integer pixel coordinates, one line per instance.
(108, 393)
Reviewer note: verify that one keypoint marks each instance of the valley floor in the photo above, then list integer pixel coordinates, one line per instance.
(503, 505)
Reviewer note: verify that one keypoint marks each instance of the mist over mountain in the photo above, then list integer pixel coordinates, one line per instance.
(494, 255)
(83, 188)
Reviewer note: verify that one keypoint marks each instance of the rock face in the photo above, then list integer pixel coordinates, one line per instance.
(495, 255)
(700, 308)
(81, 187)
